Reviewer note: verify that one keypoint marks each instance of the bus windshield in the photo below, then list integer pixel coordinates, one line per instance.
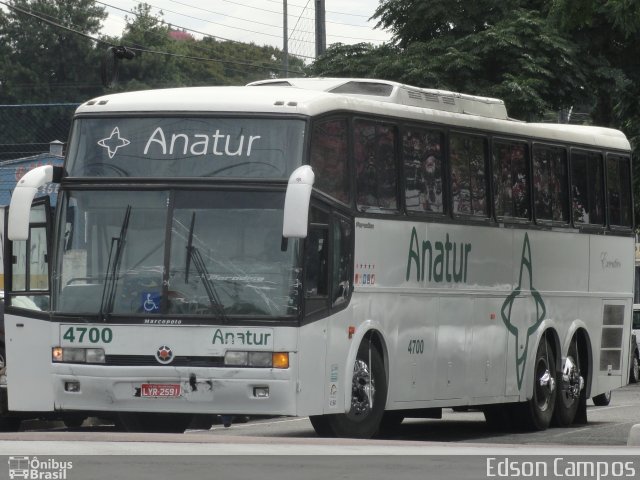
(171, 147)
(213, 254)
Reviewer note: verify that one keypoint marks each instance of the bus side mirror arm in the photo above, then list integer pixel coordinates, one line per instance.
(22, 197)
(296, 203)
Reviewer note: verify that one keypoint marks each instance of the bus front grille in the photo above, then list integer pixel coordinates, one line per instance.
(150, 360)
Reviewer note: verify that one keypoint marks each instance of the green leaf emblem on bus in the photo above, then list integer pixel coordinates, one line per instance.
(520, 316)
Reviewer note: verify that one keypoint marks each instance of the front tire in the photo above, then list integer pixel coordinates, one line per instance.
(602, 400)
(368, 399)
(155, 422)
(71, 420)
(9, 424)
(634, 374)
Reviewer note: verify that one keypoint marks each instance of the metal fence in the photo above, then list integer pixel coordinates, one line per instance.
(27, 130)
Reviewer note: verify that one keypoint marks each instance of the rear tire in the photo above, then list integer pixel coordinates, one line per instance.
(368, 398)
(602, 400)
(570, 392)
(155, 422)
(536, 414)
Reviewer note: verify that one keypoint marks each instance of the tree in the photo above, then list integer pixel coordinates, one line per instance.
(163, 61)
(44, 63)
(504, 49)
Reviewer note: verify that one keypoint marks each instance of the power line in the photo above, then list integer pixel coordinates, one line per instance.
(328, 11)
(250, 21)
(186, 29)
(156, 52)
(264, 10)
(50, 22)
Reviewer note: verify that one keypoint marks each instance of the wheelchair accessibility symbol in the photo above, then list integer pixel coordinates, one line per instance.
(151, 301)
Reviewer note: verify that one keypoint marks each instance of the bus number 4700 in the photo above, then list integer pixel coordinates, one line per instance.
(92, 335)
(416, 346)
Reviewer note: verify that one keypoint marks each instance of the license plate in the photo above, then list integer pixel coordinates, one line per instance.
(163, 390)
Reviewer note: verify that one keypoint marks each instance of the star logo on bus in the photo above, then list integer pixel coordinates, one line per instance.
(522, 314)
(113, 142)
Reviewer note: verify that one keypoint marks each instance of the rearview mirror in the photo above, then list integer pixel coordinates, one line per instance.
(296, 203)
(22, 197)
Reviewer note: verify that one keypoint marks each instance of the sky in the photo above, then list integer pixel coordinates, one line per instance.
(260, 21)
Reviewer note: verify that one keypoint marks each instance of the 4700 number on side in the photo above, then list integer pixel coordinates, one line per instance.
(416, 347)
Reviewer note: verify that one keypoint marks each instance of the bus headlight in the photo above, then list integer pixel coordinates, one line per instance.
(77, 355)
(257, 359)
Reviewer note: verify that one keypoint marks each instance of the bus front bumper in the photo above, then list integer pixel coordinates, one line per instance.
(175, 389)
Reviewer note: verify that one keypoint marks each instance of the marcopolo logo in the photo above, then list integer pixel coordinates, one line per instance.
(38, 469)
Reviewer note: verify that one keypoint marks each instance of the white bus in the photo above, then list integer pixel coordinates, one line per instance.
(357, 251)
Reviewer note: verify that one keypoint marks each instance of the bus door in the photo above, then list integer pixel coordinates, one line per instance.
(27, 327)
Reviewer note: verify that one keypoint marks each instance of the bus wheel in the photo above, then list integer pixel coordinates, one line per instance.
(538, 412)
(368, 398)
(499, 416)
(71, 420)
(391, 420)
(602, 400)
(9, 424)
(570, 392)
(155, 422)
(634, 373)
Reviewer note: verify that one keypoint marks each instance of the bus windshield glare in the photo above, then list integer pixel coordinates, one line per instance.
(173, 147)
(213, 254)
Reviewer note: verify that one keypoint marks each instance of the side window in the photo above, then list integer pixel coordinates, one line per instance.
(341, 271)
(587, 185)
(329, 154)
(468, 159)
(511, 179)
(550, 172)
(423, 171)
(316, 263)
(619, 190)
(376, 166)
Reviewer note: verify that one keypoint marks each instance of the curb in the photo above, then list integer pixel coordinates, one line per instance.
(634, 436)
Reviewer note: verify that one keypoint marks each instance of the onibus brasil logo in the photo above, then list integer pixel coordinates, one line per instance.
(40, 469)
(521, 320)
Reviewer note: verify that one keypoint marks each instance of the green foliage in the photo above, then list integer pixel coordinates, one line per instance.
(42, 63)
(516, 57)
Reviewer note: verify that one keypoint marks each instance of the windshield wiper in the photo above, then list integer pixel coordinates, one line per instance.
(193, 255)
(113, 267)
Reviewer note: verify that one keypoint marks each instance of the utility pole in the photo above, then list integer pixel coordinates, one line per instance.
(321, 32)
(285, 39)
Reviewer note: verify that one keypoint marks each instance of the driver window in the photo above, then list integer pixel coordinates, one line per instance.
(30, 268)
(316, 279)
(341, 272)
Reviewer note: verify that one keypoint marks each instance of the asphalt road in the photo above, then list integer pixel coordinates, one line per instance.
(607, 426)
(460, 446)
